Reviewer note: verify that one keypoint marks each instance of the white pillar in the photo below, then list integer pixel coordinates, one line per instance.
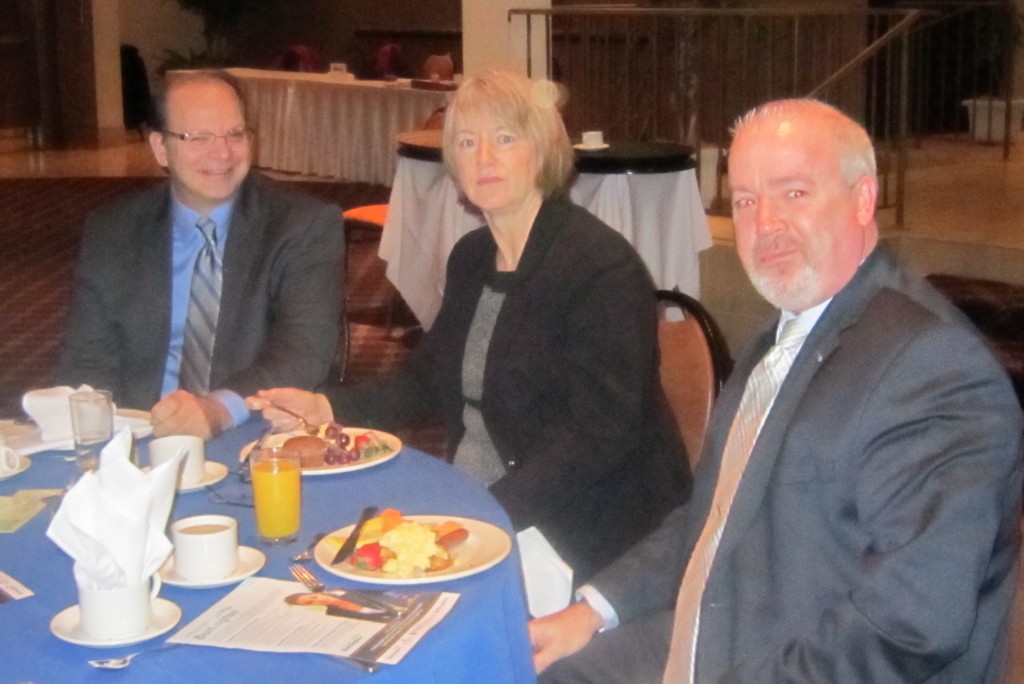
(106, 32)
(1018, 59)
(489, 40)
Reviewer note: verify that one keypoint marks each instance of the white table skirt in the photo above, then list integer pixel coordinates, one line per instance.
(661, 214)
(319, 124)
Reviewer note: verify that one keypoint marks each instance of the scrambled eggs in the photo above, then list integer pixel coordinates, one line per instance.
(413, 544)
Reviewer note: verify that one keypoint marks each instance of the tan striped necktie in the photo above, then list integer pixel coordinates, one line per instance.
(762, 386)
(203, 310)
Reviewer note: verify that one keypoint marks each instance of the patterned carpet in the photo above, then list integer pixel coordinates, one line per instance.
(41, 222)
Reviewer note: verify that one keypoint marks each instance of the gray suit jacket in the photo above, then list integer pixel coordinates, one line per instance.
(280, 300)
(875, 533)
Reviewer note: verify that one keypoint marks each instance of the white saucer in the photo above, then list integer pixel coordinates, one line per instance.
(591, 148)
(213, 473)
(250, 561)
(23, 465)
(66, 625)
(140, 422)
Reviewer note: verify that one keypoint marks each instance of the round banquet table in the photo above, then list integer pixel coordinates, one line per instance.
(648, 192)
(482, 639)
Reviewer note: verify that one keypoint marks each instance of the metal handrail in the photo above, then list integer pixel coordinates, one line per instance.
(717, 62)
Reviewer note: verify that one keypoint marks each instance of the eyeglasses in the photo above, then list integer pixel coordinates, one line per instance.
(233, 138)
(243, 499)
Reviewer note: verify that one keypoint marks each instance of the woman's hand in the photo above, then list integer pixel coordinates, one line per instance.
(313, 407)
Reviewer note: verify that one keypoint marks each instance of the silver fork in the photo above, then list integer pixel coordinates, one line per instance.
(309, 580)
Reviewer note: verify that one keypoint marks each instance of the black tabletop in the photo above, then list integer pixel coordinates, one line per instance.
(636, 157)
(625, 157)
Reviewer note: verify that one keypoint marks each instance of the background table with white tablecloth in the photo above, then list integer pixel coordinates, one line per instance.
(327, 125)
(647, 192)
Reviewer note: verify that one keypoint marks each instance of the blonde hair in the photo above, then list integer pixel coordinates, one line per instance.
(530, 109)
(853, 144)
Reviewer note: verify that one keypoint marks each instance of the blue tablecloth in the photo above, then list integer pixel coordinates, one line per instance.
(483, 638)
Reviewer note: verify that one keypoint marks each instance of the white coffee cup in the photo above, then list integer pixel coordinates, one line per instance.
(205, 547)
(193, 467)
(593, 139)
(9, 458)
(117, 613)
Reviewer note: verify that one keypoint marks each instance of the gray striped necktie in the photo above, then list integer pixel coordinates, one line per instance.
(762, 386)
(203, 309)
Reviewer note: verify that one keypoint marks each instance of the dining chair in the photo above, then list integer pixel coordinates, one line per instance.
(364, 224)
(1015, 657)
(694, 364)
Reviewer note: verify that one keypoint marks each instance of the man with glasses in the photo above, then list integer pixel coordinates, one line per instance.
(201, 290)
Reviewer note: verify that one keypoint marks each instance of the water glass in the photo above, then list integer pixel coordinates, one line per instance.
(92, 424)
(277, 494)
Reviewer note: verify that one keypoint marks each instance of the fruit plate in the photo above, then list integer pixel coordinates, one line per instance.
(485, 547)
(393, 443)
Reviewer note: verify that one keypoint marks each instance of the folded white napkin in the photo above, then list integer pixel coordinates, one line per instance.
(112, 521)
(51, 410)
(547, 577)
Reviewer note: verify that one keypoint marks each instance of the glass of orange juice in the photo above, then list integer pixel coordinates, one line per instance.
(277, 494)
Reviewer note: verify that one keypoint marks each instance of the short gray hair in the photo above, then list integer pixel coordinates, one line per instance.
(856, 152)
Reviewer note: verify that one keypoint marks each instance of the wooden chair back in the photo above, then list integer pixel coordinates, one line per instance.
(694, 364)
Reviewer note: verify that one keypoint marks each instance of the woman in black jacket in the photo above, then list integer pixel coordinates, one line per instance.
(543, 359)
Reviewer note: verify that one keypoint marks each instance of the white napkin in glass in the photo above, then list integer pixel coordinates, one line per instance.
(547, 577)
(112, 521)
(50, 408)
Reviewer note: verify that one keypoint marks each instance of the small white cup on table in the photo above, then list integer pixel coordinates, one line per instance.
(205, 547)
(92, 426)
(9, 458)
(108, 614)
(593, 138)
(193, 466)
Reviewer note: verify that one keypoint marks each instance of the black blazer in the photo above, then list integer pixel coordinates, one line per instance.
(874, 536)
(571, 394)
(280, 299)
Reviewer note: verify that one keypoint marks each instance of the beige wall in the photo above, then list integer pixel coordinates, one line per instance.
(495, 42)
(107, 54)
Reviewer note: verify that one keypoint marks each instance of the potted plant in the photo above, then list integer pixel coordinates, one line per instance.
(987, 115)
(219, 18)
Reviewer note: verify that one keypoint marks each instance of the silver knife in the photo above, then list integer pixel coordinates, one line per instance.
(350, 544)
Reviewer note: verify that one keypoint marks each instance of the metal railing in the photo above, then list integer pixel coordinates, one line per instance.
(685, 73)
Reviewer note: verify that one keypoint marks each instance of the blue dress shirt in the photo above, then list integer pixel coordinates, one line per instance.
(186, 241)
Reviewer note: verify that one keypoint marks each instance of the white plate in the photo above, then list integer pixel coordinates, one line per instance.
(591, 148)
(14, 429)
(66, 625)
(23, 465)
(250, 561)
(140, 422)
(393, 443)
(213, 472)
(485, 547)
(27, 439)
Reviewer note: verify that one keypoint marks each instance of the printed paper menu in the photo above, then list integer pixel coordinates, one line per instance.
(256, 616)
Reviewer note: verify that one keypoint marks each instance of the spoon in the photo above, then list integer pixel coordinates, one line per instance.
(308, 427)
(308, 553)
(125, 661)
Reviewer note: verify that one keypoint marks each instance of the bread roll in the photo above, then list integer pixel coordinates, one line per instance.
(309, 449)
